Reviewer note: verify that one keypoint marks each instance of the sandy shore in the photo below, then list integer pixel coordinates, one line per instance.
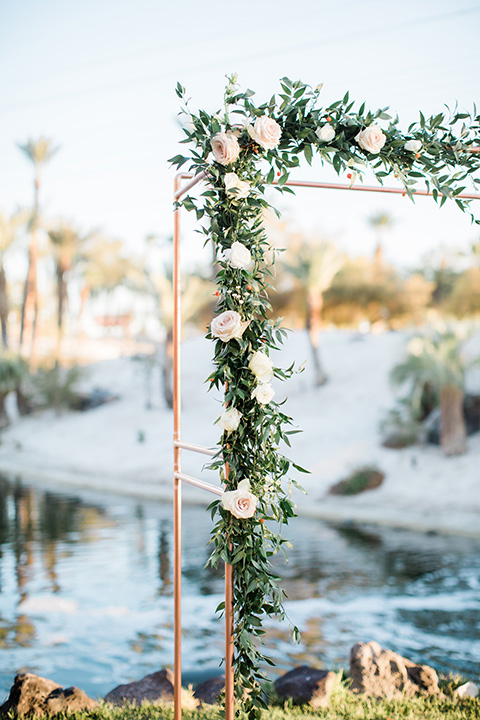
(124, 447)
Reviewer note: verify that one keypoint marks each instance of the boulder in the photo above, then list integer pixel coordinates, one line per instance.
(157, 687)
(209, 691)
(385, 674)
(35, 696)
(306, 684)
(469, 689)
(68, 700)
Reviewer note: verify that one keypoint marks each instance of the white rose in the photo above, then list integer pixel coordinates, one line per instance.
(325, 133)
(230, 419)
(263, 393)
(236, 189)
(240, 502)
(261, 366)
(228, 325)
(225, 148)
(239, 256)
(413, 145)
(266, 132)
(371, 139)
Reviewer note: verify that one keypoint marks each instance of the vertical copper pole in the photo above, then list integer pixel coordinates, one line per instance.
(229, 681)
(177, 487)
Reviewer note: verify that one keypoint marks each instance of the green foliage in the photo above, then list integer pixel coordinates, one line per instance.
(252, 450)
(56, 387)
(343, 706)
(107, 267)
(39, 151)
(9, 227)
(363, 289)
(313, 264)
(197, 292)
(401, 428)
(434, 363)
(13, 370)
(434, 359)
(363, 478)
(465, 298)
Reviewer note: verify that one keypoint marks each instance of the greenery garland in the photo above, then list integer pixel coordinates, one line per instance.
(243, 149)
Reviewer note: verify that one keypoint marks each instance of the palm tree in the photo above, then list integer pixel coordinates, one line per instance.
(380, 222)
(435, 362)
(196, 294)
(314, 266)
(107, 268)
(39, 152)
(67, 244)
(12, 372)
(8, 232)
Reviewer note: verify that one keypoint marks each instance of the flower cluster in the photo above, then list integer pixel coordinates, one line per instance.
(241, 151)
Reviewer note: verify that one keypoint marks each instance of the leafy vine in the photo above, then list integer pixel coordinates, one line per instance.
(242, 149)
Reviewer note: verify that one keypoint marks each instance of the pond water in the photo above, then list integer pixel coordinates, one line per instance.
(86, 592)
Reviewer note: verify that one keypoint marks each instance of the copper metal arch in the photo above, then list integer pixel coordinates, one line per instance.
(179, 445)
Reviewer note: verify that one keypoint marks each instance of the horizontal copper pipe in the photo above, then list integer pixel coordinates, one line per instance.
(369, 188)
(198, 483)
(325, 186)
(194, 448)
(186, 176)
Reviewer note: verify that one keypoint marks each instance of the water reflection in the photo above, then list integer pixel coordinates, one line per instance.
(86, 591)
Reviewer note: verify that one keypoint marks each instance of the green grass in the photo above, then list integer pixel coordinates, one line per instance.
(343, 706)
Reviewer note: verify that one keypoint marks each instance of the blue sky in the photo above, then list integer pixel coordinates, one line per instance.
(98, 77)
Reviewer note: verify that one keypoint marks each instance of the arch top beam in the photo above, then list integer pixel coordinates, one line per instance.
(195, 179)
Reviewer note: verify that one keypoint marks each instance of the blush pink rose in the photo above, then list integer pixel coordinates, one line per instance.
(228, 325)
(225, 148)
(240, 502)
(371, 139)
(266, 132)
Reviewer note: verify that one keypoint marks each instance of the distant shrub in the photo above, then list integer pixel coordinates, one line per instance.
(400, 429)
(56, 387)
(363, 478)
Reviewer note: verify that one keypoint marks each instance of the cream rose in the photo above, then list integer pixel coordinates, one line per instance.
(325, 133)
(225, 148)
(261, 366)
(263, 393)
(235, 188)
(371, 139)
(266, 132)
(239, 256)
(228, 325)
(413, 145)
(240, 502)
(230, 419)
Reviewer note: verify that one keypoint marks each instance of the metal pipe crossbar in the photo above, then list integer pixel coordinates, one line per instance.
(179, 444)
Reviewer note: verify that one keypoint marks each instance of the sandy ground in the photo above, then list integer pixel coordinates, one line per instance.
(126, 448)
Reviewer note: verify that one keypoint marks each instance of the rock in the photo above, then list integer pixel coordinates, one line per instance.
(157, 687)
(306, 685)
(384, 674)
(209, 691)
(467, 690)
(69, 700)
(36, 696)
(28, 694)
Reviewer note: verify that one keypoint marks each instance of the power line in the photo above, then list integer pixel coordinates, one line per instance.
(263, 55)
